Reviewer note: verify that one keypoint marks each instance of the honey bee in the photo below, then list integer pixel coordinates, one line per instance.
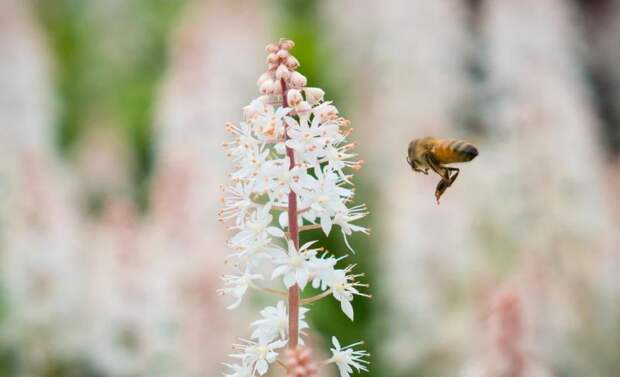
(433, 153)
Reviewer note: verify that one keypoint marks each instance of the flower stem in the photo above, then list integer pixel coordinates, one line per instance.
(317, 297)
(293, 226)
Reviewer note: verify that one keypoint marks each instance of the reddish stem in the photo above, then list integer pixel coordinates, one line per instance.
(293, 227)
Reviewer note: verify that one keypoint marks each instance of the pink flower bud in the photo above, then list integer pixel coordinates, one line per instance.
(314, 95)
(304, 354)
(282, 72)
(294, 97)
(292, 62)
(267, 86)
(298, 80)
(262, 78)
(272, 67)
(303, 107)
(271, 47)
(283, 54)
(286, 44)
(300, 364)
(272, 58)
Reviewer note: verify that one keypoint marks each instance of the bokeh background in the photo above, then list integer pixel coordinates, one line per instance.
(111, 120)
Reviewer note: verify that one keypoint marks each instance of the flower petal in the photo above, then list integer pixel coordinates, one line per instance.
(326, 223)
(347, 308)
(289, 280)
(302, 277)
(336, 343)
(276, 232)
(262, 367)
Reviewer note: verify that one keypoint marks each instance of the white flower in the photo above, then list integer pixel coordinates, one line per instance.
(344, 219)
(322, 268)
(256, 228)
(278, 179)
(337, 159)
(306, 139)
(343, 286)
(258, 354)
(281, 126)
(268, 125)
(237, 203)
(237, 285)
(325, 111)
(243, 142)
(346, 358)
(326, 196)
(294, 266)
(274, 323)
(239, 370)
(342, 291)
(255, 107)
(251, 162)
(253, 252)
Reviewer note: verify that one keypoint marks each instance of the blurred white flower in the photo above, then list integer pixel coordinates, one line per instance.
(237, 285)
(239, 370)
(237, 203)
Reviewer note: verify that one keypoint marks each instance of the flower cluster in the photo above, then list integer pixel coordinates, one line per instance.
(292, 173)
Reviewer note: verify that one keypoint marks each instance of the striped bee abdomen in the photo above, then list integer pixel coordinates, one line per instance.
(452, 151)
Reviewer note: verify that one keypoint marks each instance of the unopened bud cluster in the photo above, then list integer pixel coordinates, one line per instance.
(299, 363)
(281, 65)
(290, 158)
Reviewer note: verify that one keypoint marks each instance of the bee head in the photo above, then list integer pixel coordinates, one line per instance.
(412, 163)
(411, 154)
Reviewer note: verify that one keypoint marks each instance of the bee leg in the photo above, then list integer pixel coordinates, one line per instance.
(443, 185)
(456, 174)
(441, 171)
(441, 188)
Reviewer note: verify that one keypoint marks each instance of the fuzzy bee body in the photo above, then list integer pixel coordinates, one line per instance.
(434, 153)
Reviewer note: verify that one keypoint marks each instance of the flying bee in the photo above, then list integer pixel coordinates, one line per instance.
(433, 153)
